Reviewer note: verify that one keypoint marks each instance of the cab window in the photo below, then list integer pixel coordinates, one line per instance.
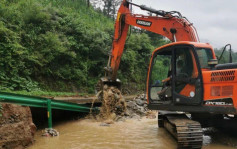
(204, 55)
(160, 71)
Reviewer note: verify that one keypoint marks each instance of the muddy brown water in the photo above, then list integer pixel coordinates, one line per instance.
(131, 134)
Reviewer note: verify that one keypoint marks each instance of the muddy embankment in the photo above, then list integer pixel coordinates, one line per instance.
(16, 127)
(18, 124)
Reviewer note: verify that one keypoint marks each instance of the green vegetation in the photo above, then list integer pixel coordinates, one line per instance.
(225, 57)
(0, 110)
(161, 66)
(47, 93)
(62, 46)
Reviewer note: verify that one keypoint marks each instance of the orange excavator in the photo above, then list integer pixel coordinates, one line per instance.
(183, 76)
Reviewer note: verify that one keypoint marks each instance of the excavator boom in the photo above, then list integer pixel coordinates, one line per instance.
(171, 25)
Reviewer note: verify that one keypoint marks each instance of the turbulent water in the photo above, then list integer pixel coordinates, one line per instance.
(139, 134)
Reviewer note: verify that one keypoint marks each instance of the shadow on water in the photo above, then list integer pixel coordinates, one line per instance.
(222, 135)
(39, 117)
(225, 132)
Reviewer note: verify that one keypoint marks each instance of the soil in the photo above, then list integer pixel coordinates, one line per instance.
(113, 103)
(16, 127)
(116, 108)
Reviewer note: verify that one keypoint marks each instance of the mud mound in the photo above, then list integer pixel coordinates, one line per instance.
(16, 127)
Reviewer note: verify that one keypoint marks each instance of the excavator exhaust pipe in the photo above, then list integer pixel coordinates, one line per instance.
(173, 31)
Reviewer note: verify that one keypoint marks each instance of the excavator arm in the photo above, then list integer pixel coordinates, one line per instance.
(168, 24)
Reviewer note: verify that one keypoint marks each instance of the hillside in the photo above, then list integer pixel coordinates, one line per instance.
(56, 45)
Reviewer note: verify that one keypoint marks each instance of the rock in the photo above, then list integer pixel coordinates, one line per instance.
(105, 87)
(120, 118)
(110, 93)
(151, 116)
(50, 132)
(142, 110)
(131, 104)
(139, 102)
(109, 121)
(135, 108)
(116, 96)
(104, 125)
(122, 100)
(118, 107)
(112, 116)
(126, 113)
(135, 116)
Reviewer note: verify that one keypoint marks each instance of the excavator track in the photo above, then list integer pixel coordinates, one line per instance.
(187, 132)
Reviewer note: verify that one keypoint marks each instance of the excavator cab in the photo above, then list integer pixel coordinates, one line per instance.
(175, 75)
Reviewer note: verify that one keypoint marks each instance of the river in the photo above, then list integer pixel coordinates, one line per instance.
(131, 134)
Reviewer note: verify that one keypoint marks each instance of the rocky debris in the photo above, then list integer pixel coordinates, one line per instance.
(120, 118)
(16, 127)
(104, 124)
(50, 132)
(151, 114)
(115, 108)
(137, 107)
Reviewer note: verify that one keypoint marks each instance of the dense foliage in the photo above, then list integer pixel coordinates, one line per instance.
(58, 45)
(226, 56)
(63, 45)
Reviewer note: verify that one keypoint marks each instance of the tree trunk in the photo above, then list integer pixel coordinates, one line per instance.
(88, 3)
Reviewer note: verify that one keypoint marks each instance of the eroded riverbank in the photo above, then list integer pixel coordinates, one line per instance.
(16, 127)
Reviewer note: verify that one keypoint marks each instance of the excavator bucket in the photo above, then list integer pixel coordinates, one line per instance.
(106, 81)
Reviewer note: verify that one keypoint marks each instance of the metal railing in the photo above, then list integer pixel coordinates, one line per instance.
(41, 102)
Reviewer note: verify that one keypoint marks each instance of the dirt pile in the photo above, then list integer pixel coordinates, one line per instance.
(137, 107)
(16, 127)
(115, 108)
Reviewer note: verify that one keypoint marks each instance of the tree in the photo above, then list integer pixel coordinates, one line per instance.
(111, 7)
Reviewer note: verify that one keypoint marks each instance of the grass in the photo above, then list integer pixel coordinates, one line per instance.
(45, 93)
